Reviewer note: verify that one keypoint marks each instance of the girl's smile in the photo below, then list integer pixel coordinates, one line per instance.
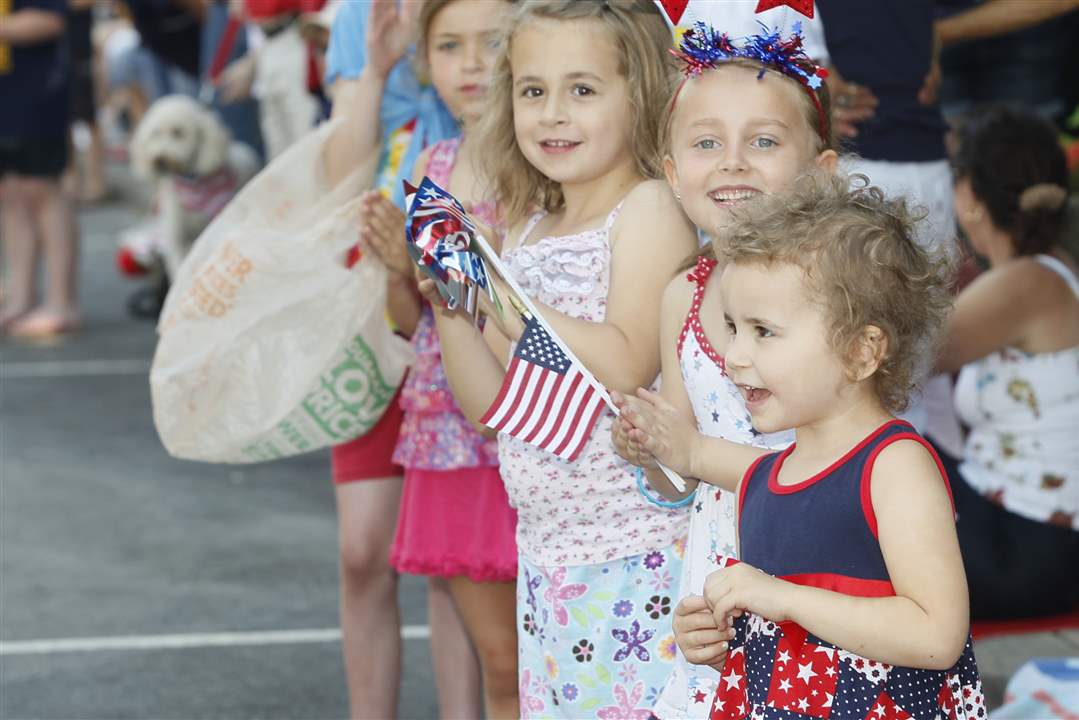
(728, 195)
(558, 147)
(754, 397)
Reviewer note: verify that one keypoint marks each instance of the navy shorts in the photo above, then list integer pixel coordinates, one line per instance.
(43, 157)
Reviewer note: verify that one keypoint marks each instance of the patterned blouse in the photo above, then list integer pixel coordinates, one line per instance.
(434, 433)
(587, 511)
(1023, 411)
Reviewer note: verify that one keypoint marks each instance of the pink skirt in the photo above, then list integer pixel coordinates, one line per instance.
(454, 523)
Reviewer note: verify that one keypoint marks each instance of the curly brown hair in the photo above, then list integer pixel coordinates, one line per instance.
(861, 263)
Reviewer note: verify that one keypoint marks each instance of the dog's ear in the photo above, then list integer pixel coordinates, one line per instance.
(214, 140)
(140, 153)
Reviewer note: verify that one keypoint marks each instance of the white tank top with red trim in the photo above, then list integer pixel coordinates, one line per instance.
(720, 412)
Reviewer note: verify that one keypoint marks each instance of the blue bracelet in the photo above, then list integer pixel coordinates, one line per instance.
(660, 502)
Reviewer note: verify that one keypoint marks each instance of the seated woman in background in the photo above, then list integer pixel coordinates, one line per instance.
(1014, 338)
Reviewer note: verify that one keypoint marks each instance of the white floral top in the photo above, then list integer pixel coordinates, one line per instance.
(720, 412)
(589, 510)
(1023, 411)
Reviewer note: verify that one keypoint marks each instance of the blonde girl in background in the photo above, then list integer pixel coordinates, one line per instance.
(721, 154)
(455, 524)
(570, 139)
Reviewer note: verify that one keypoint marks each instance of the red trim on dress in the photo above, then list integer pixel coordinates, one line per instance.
(773, 481)
(699, 277)
(866, 491)
(858, 587)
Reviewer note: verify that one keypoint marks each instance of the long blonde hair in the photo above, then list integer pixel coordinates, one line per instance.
(642, 41)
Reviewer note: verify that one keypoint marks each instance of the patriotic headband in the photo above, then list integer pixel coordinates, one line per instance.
(703, 48)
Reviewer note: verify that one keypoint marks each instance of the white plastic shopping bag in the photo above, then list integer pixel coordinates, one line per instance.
(268, 345)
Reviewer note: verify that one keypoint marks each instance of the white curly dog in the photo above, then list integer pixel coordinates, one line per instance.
(195, 167)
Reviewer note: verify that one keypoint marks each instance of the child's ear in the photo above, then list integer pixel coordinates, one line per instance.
(671, 173)
(828, 160)
(869, 351)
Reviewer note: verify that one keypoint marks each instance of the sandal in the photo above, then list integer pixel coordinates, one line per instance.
(43, 324)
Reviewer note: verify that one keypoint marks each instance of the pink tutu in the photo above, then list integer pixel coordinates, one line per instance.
(456, 522)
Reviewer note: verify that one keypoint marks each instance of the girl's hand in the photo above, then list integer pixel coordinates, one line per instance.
(698, 636)
(234, 83)
(851, 104)
(740, 588)
(429, 291)
(391, 28)
(626, 447)
(383, 233)
(662, 431)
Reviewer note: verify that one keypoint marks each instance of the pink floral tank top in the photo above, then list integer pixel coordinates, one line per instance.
(434, 433)
(587, 511)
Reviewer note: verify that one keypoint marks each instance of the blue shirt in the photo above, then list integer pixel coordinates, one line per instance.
(404, 100)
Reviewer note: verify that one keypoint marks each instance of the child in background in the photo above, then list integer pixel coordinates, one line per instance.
(455, 523)
(572, 129)
(850, 594)
(383, 108)
(36, 217)
(721, 154)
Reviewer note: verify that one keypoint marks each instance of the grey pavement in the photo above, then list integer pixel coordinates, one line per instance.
(103, 535)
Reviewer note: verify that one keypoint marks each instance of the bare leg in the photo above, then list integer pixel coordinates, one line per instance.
(20, 248)
(457, 673)
(370, 619)
(93, 178)
(60, 239)
(54, 220)
(489, 613)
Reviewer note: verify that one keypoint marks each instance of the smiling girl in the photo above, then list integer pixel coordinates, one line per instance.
(572, 131)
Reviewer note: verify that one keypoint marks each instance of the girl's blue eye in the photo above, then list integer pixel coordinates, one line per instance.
(582, 90)
(764, 142)
(448, 46)
(531, 92)
(763, 332)
(706, 144)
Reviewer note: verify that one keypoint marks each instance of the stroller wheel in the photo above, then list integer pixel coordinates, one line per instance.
(146, 302)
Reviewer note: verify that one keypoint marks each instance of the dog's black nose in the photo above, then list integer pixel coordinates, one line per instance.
(161, 165)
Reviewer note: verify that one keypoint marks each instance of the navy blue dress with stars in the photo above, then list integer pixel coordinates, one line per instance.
(781, 672)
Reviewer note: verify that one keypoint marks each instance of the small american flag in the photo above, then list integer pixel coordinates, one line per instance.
(547, 399)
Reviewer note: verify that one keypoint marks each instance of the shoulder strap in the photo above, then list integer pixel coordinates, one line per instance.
(899, 431)
(441, 160)
(1051, 263)
(530, 225)
(698, 276)
(613, 215)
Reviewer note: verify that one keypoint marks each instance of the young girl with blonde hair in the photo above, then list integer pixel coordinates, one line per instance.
(570, 139)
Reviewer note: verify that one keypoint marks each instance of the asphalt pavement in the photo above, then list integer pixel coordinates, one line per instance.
(134, 585)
